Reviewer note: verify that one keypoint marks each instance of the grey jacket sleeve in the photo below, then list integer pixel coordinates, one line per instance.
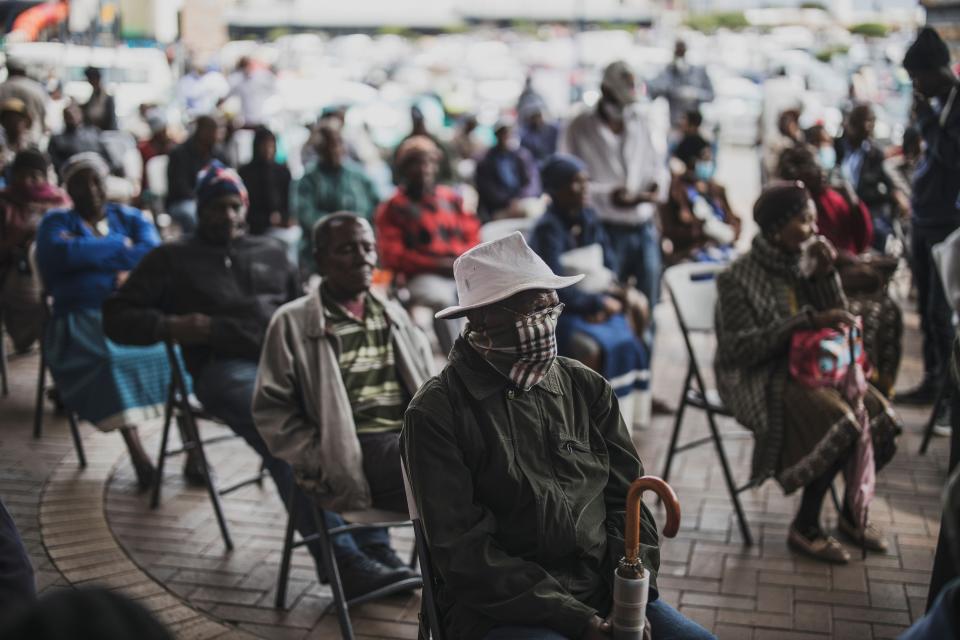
(277, 407)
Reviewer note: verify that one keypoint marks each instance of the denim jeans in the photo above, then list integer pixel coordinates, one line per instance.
(184, 213)
(225, 387)
(638, 253)
(666, 623)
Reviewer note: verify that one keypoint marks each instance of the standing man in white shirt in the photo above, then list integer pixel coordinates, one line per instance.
(253, 86)
(628, 176)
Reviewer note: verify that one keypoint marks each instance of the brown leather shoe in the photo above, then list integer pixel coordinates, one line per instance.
(871, 538)
(823, 547)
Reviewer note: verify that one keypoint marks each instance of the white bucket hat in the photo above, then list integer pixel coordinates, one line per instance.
(494, 271)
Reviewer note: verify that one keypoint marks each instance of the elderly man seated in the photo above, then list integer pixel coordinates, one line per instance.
(520, 465)
(214, 293)
(337, 370)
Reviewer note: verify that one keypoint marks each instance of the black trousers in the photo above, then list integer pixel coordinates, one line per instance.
(381, 466)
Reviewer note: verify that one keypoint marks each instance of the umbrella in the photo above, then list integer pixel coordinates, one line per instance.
(631, 581)
(860, 473)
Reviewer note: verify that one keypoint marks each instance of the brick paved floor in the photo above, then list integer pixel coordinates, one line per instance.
(93, 526)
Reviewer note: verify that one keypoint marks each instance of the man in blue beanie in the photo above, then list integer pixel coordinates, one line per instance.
(214, 293)
(935, 199)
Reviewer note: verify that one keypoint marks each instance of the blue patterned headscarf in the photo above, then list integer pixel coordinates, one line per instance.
(217, 180)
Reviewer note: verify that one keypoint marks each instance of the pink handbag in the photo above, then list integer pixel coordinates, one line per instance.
(836, 358)
(821, 357)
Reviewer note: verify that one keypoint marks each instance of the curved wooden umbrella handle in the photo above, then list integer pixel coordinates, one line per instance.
(634, 496)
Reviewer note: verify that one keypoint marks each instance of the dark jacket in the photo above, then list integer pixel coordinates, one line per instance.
(240, 287)
(875, 186)
(552, 237)
(493, 192)
(268, 184)
(522, 495)
(184, 165)
(936, 187)
(69, 143)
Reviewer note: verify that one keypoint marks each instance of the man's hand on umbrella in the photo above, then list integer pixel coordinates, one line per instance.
(598, 629)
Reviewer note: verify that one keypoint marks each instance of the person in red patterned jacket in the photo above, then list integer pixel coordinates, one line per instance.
(422, 229)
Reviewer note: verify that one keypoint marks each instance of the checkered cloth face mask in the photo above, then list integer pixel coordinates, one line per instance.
(522, 352)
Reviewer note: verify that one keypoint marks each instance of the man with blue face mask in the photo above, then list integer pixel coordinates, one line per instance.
(861, 164)
(520, 464)
(698, 220)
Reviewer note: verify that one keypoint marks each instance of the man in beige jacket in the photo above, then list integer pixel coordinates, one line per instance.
(336, 373)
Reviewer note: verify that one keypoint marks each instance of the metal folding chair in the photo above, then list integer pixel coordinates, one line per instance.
(693, 291)
(42, 388)
(430, 627)
(358, 521)
(179, 406)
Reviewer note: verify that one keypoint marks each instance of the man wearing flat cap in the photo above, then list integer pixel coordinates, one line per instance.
(935, 199)
(520, 464)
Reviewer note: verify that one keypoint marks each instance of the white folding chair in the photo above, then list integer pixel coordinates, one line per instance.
(157, 179)
(693, 291)
(497, 229)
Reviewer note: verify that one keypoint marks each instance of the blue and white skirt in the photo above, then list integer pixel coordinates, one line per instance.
(626, 361)
(105, 383)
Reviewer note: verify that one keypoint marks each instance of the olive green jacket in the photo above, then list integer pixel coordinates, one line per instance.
(522, 494)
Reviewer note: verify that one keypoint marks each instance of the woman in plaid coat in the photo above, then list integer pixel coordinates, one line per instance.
(804, 436)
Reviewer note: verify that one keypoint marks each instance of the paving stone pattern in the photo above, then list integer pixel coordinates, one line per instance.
(93, 526)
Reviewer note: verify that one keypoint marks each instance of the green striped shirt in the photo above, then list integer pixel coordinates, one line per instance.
(368, 366)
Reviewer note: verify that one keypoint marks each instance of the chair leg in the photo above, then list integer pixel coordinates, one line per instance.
(932, 421)
(162, 456)
(728, 478)
(4, 389)
(41, 388)
(214, 494)
(678, 421)
(77, 442)
(333, 575)
(281, 598)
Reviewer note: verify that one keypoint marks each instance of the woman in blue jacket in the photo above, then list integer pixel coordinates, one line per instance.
(83, 255)
(603, 321)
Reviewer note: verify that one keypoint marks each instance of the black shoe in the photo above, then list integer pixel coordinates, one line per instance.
(386, 556)
(360, 574)
(193, 472)
(922, 395)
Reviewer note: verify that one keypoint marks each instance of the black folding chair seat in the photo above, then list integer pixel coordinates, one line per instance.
(359, 521)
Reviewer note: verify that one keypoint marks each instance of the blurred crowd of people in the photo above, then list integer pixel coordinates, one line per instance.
(137, 242)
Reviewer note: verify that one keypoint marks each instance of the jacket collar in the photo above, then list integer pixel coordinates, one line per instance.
(317, 324)
(482, 380)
